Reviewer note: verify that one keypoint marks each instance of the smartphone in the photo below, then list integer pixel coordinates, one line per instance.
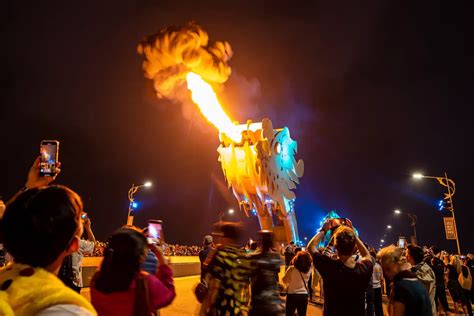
(402, 242)
(49, 150)
(155, 231)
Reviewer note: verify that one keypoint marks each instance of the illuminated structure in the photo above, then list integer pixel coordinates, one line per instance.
(262, 171)
(258, 163)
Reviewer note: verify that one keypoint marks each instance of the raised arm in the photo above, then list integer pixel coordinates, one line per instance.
(88, 228)
(34, 179)
(313, 243)
(364, 253)
(162, 290)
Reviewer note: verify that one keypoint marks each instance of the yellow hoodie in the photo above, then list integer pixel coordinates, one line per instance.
(26, 291)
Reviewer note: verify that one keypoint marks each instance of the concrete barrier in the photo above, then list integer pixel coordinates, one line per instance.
(181, 266)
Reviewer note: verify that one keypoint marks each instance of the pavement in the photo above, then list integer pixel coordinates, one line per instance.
(185, 303)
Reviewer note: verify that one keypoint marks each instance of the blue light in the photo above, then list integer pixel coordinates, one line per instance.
(441, 205)
(134, 205)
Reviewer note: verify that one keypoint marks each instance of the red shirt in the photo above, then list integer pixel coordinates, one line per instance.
(160, 287)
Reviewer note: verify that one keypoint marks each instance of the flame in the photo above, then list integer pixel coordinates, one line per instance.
(206, 99)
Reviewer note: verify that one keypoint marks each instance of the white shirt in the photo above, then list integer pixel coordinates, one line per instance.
(86, 247)
(294, 279)
(377, 276)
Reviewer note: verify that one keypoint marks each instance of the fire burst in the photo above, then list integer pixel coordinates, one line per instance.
(206, 99)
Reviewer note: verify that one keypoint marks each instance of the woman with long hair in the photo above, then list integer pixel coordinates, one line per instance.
(120, 287)
(296, 279)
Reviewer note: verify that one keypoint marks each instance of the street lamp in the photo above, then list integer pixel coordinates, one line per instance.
(451, 187)
(147, 184)
(413, 219)
(221, 214)
(132, 204)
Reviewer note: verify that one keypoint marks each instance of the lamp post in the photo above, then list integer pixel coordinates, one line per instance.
(413, 219)
(451, 187)
(134, 189)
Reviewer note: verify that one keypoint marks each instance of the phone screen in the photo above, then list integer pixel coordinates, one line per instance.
(402, 242)
(155, 229)
(49, 157)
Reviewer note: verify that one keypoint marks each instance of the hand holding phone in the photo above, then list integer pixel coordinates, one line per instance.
(35, 180)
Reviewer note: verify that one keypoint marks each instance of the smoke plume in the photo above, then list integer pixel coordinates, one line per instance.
(174, 51)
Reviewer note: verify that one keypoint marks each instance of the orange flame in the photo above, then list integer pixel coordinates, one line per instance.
(206, 99)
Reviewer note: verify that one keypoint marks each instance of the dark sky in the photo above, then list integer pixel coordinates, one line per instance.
(371, 91)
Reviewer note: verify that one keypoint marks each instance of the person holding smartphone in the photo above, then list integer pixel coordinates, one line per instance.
(121, 287)
(86, 248)
(344, 280)
(40, 227)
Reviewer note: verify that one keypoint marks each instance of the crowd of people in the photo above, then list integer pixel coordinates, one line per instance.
(42, 229)
(181, 250)
(168, 250)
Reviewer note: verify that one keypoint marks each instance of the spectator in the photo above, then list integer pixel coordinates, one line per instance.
(120, 287)
(289, 253)
(377, 284)
(315, 281)
(265, 268)
(71, 269)
(470, 265)
(455, 289)
(230, 271)
(408, 295)
(344, 280)
(151, 261)
(86, 247)
(438, 268)
(41, 226)
(424, 273)
(208, 244)
(465, 279)
(296, 279)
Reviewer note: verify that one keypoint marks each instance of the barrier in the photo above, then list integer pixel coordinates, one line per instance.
(181, 266)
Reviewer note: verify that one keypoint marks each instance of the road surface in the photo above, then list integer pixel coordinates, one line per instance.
(185, 303)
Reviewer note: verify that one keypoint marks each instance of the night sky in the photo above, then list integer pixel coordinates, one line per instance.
(371, 91)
